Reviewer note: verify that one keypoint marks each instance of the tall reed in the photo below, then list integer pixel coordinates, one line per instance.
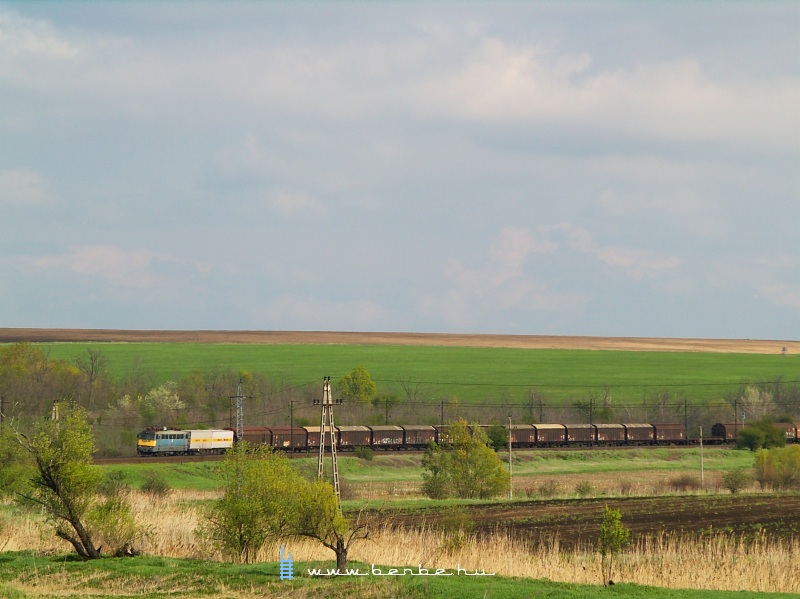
(722, 562)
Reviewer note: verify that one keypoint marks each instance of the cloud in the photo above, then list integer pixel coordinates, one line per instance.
(637, 263)
(503, 82)
(502, 285)
(136, 269)
(25, 187)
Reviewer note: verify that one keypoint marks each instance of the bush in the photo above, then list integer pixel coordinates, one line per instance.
(548, 488)
(584, 488)
(683, 483)
(778, 468)
(113, 526)
(364, 453)
(114, 484)
(762, 433)
(155, 484)
(736, 480)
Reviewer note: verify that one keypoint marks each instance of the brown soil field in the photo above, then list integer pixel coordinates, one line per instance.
(577, 521)
(748, 346)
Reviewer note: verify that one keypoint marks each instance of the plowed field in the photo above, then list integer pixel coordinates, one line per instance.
(578, 520)
(9, 335)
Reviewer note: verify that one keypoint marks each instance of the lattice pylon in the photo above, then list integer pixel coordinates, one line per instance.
(326, 423)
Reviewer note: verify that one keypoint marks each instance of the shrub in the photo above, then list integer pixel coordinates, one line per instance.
(762, 433)
(364, 453)
(778, 468)
(114, 484)
(684, 482)
(584, 488)
(736, 480)
(155, 484)
(613, 538)
(548, 488)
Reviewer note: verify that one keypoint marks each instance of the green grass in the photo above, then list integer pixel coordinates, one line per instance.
(404, 467)
(470, 374)
(23, 576)
(199, 476)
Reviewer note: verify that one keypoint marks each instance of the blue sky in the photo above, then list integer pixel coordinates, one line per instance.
(625, 169)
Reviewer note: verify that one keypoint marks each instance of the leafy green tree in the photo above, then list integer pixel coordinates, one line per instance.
(613, 538)
(258, 504)
(320, 518)
(15, 469)
(265, 499)
(761, 434)
(356, 386)
(498, 437)
(465, 466)
(436, 472)
(64, 483)
(778, 468)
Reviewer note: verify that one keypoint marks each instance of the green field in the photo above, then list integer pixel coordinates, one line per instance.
(470, 374)
(399, 467)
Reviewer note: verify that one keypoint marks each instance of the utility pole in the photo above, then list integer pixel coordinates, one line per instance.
(1, 411)
(685, 414)
(510, 473)
(386, 405)
(327, 403)
(239, 410)
(442, 414)
(291, 425)
(701, 456)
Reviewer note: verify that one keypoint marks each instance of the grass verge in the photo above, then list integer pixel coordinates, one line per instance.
(24, 575)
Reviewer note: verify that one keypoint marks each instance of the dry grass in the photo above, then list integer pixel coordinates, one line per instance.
(722, 563)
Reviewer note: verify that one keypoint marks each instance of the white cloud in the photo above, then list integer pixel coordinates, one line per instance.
(502, 285)
(637, 263)
(501, 82)
(25, 187)
(136, 269)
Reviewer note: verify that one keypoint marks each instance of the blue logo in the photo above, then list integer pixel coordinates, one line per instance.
(286, 564)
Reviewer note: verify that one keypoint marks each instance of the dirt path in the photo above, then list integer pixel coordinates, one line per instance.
(10, 335)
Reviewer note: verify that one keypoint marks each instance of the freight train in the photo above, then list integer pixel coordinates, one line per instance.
(169, 441)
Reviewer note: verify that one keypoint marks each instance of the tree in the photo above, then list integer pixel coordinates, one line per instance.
(613, 538)
(778, 468)
(464, 466)
(762, 433)
(64, 483)
(265, 499)
(357, 385)
(258, 504)
(320, 518)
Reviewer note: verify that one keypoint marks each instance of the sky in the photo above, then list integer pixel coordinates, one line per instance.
(569, 168)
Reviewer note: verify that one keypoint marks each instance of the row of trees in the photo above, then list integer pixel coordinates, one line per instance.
(119, 407)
